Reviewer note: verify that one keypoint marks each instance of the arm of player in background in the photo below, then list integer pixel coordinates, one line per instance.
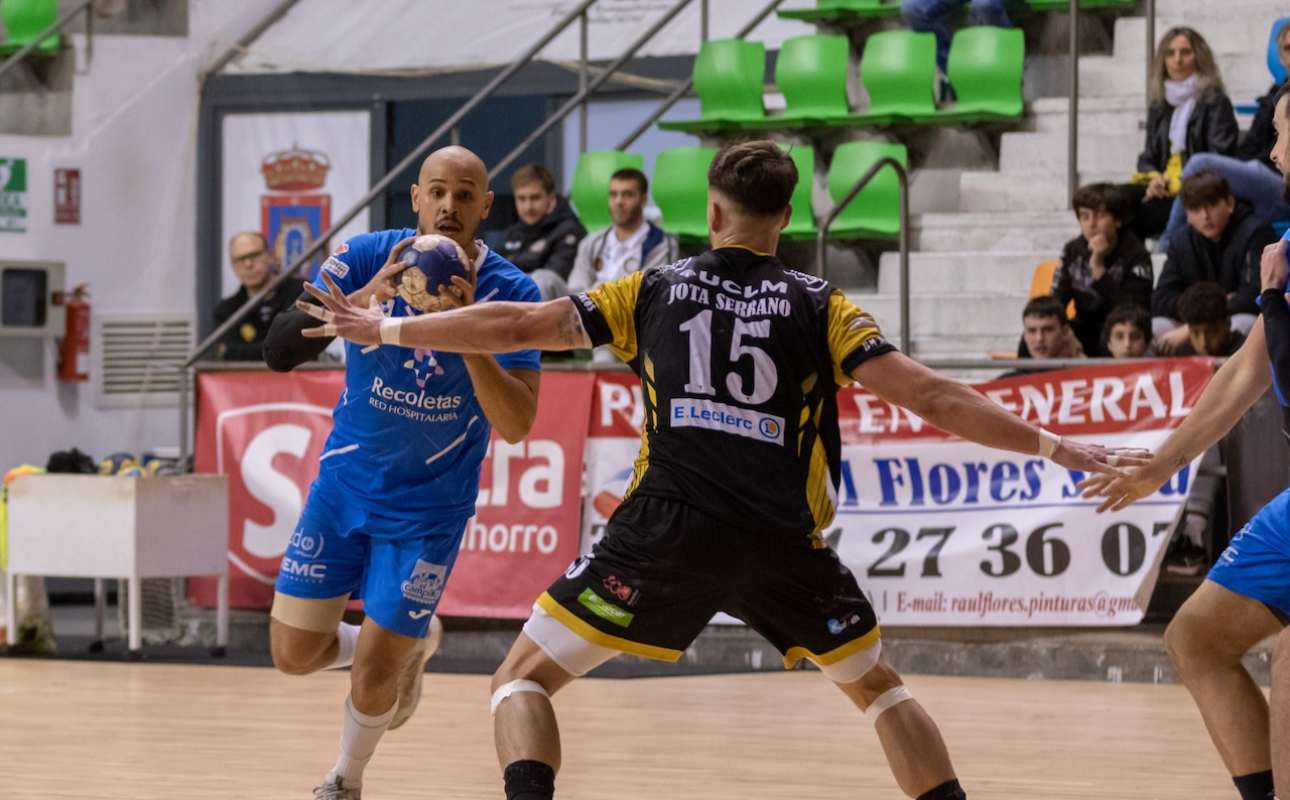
(284, 346)
(961, 410)
(1230, 393)
(494, 327)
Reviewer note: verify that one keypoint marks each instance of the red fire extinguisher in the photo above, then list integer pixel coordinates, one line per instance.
(74, 349)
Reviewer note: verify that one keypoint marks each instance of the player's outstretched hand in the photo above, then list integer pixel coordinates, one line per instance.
(341, 316)
(1119, 491)
(1095, 458)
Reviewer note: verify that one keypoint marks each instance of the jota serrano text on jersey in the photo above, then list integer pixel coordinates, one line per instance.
(749, 301)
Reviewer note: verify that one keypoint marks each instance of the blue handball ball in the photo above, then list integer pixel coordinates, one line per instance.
(430, 262)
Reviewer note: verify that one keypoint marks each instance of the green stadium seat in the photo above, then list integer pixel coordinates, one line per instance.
(729, 77)
(590, 191)
(680, 188)
(811, 71)
(985, 67)
(802, 224)
(24, 21)
(844, 11)
(898, 69)
(875, 211)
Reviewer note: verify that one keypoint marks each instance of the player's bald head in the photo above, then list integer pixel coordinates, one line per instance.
(454, 163)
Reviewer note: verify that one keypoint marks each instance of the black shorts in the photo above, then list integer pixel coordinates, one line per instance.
(664, 568)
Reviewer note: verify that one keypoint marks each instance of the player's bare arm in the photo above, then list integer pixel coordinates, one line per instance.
(1234, 388)
(496, 327)
(962, 411)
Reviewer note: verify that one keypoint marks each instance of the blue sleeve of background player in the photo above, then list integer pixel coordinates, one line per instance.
(522, 290)
(354, 263)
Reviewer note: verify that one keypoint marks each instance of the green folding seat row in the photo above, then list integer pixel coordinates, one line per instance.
(24, 21)
(680, 188)
(843, 11)
(897, 68)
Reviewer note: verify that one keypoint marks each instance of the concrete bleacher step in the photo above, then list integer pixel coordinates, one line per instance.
(1119, 114)
(1243, 74)
(1230, 28)
(1021, 231)
(950, 314)
(1037, 190)
(982, 273)
(1098, 152)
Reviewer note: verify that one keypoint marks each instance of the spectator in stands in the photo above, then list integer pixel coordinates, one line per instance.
(1251, 174)
(545, 240)
(254, 265)
(632, 243)
(1190, 113)
(1223, 243)
(1203, 310)
(1046, 332)
(1128, 332)
(1104, 267)
(931, 16)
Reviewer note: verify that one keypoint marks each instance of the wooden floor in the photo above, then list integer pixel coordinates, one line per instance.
(147, 732)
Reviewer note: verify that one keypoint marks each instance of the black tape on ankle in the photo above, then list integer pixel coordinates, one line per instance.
(529, 780)
(950, 790)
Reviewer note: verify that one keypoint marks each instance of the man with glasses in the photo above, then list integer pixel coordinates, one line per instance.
(254, 265)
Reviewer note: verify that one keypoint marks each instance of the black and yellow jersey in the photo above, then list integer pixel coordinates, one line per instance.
(740, 359)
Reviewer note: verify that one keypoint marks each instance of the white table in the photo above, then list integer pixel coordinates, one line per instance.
(91, 526)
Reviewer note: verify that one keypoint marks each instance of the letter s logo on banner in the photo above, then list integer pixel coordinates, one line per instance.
(270, 452)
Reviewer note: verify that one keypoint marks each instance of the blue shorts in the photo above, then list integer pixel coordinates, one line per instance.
(399, 579)
(1256, 563)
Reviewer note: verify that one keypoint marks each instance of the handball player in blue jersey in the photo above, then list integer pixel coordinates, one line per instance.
(399, 473)
(1246, 596)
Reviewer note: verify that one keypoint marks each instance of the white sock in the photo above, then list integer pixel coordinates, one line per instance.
(358, 739)
(347, 643)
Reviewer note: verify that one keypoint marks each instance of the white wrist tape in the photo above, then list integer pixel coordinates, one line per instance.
(511, 688)
(1048, 443)
(887, 699)
(390, 330)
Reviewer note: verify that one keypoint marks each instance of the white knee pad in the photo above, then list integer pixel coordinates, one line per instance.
(887, 699)
(511, 688)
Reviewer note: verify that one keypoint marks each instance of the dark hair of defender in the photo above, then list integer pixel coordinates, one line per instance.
(757, 175)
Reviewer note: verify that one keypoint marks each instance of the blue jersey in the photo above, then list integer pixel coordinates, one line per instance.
(408, 434)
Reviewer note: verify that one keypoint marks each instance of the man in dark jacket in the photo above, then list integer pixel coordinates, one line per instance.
(1106, 266)
(544, 242)
(254, 265)
(1223, 243)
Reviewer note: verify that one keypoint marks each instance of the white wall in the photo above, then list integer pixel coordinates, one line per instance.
(134, 138)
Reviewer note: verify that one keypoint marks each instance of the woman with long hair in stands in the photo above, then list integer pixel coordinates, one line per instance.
(1251, 174)
(1190, 113)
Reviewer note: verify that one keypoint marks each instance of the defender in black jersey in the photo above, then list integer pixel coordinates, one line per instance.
(740, 359)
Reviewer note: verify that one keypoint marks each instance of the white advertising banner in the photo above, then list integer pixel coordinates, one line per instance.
(940, 531)
(289, 175)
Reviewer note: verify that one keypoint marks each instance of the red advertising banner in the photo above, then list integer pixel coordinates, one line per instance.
(266, 432)
(526, 526)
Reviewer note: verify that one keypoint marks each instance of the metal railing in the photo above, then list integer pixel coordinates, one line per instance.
(59, 25)
(821, 236)
(684, 88)
(1072, 130)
